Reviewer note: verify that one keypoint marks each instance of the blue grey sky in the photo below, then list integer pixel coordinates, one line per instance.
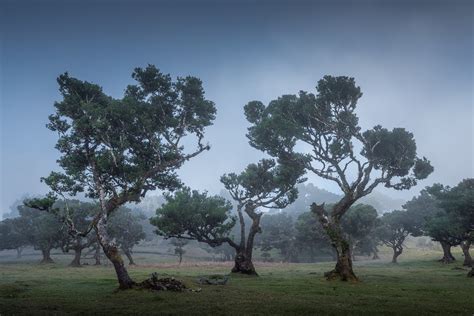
(412, 59)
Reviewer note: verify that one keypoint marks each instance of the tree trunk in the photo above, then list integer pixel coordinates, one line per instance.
(19, 250)
(243, 264)
(343, 270)
(471, 273)
(465, 246)
(180, 258)
(97, 255)
(76, 262)
(396, 252)
(243, 259)
(46, 256)
(376, 254)
(111, 251)
(447, 256)
(129, 256)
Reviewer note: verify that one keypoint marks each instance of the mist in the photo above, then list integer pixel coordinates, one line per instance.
(236, 157)
(413, 61)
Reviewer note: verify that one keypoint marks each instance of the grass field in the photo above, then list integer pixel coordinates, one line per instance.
(419, 285)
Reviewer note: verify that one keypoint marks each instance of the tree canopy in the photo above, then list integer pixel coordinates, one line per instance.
(117, 150)
(190, 214)
(323, 131)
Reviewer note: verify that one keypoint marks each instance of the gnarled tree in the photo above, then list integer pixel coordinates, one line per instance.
(325, 128)
(263, 185)
(116, 150)
(11, 236)
(195, 216)
(458, 202)
(42, 230)
(430, 219)
(394, 228)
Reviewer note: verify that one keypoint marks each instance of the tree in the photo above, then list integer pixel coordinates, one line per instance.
(394, 228)
(326, 124)
(358, 223)
(179, 244)
(42, 230)
(207, 219)
(430, 219)
(310, 236)
(117, 150)
(81, 215)
(263, 185)
(197, 216)
(458, 202)
(125, 227)
(278, 232)
(11, 236)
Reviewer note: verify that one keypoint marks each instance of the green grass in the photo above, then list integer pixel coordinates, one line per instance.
(421, 287)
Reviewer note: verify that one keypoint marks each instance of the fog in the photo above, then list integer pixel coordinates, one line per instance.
(412, 60)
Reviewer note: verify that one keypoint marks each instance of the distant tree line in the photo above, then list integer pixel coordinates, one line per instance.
(46, 231)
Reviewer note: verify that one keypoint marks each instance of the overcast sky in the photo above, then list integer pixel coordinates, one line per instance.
(413, 61)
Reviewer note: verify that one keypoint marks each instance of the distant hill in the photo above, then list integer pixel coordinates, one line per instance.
(382, 202)
(309, 193)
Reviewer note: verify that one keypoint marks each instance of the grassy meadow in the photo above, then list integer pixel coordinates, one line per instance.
(417, 285)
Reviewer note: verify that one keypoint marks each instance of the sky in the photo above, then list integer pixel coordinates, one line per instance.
(412, 59)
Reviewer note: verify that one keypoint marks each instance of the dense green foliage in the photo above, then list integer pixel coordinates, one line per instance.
(12, 235)
(393, 230)
(117, 150)
(327, 128)
(126, 228)
(278, 232)
(193, 215)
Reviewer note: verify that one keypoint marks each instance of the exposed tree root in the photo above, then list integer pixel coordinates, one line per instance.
(213, 279)
(336, 275)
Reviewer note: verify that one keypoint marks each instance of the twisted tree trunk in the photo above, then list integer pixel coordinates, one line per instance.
(343, 270)
(397, 251)
(46, 252)
(243, 263)
(112, 252)
(465, 246)
(447, 255)
(76, 262)
(243, 258)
